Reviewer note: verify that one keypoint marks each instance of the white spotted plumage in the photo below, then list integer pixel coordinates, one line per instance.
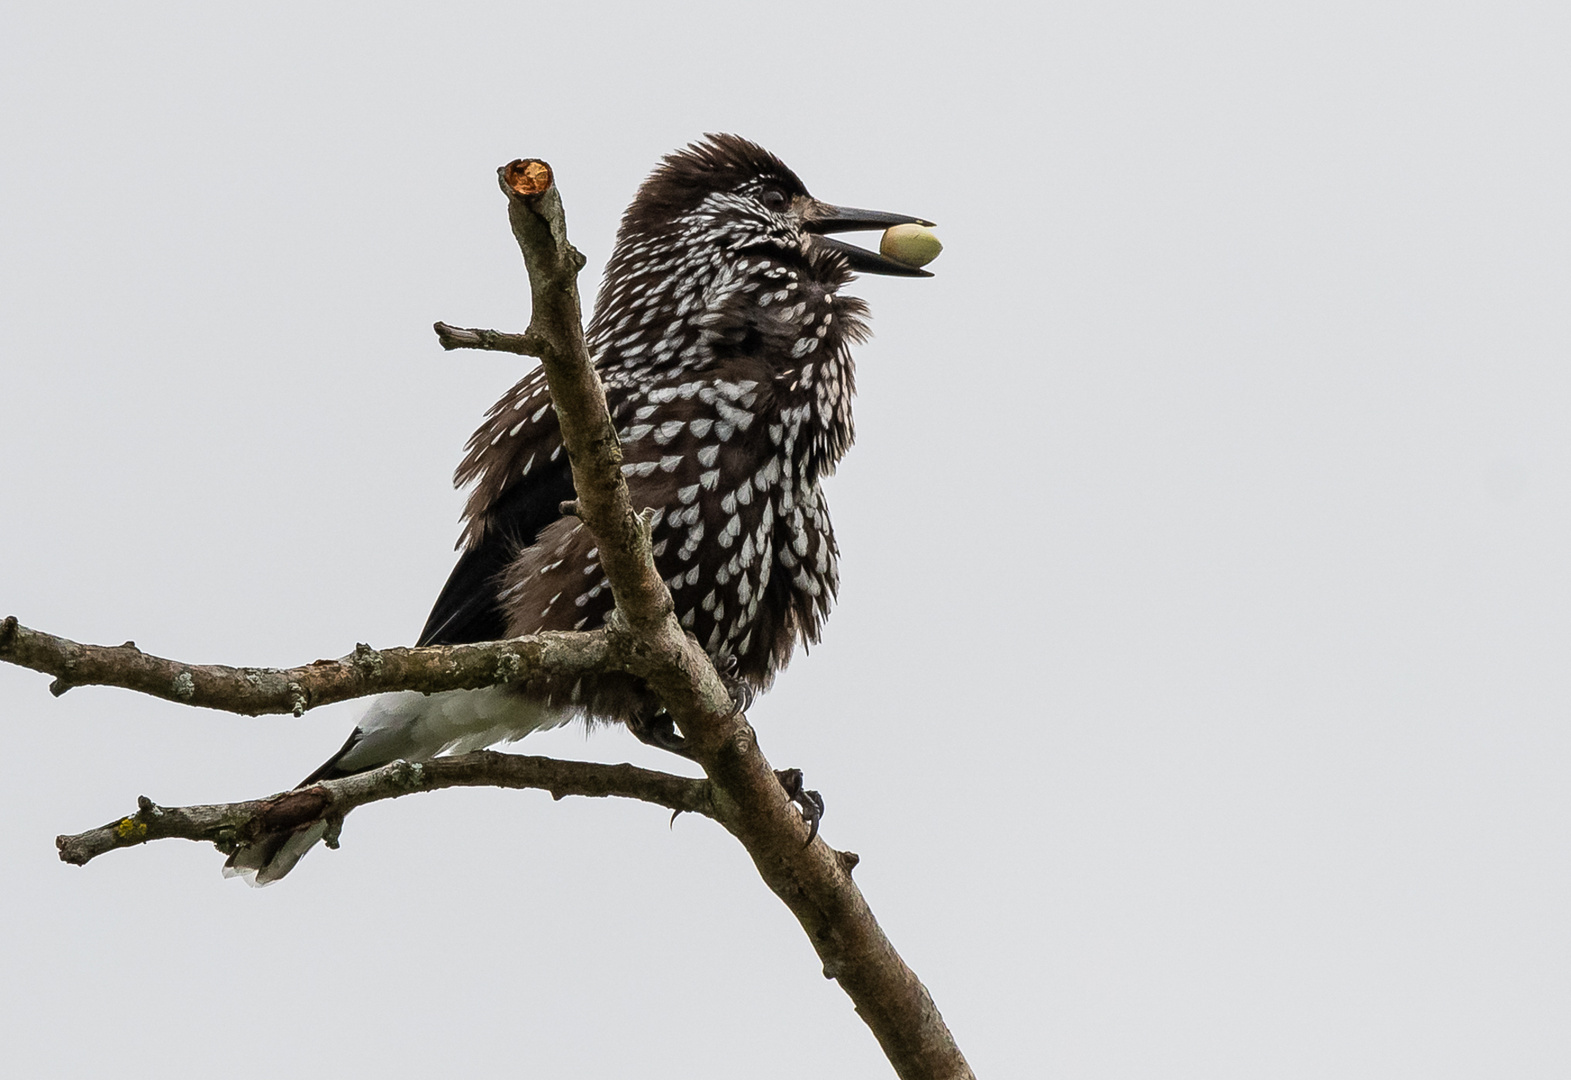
(723, 343)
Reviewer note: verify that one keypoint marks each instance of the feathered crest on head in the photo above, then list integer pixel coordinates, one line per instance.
(685, 177)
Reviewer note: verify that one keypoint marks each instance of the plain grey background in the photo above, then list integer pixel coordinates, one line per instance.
(1197, 694)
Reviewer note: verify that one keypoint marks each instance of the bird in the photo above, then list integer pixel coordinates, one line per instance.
(723, 341)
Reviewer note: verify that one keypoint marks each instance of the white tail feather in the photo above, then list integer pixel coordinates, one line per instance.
(414, 727)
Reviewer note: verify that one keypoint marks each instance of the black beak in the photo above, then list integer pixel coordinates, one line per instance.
(820, 218)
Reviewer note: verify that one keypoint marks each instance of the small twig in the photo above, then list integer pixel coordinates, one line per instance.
(459, 337)
(228, 824)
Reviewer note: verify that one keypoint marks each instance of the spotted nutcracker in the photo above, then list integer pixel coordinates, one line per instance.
(723, 341)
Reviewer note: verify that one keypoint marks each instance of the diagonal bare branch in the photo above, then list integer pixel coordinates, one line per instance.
(813, 880)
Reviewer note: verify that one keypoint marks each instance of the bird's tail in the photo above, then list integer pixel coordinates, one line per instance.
(272, 855)
(411, 726)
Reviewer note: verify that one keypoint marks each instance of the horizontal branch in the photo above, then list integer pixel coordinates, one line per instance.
(254, 691)
(227, 825)
(458, 337)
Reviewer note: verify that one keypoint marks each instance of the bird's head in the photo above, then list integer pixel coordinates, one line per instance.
(728, 195)
(716, 240)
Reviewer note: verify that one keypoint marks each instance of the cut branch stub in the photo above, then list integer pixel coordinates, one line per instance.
(527, 176)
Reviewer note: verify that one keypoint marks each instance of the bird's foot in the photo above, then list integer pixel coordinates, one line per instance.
(742, 695)
(741, 692)
(810, 803)
(660, 731)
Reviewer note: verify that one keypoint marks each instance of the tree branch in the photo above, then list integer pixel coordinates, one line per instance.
(227, 825)
(642, 637)
(457, 337)
(257, 691)
(534, 209)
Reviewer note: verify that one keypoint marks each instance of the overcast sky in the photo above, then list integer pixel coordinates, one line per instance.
(1197, 696)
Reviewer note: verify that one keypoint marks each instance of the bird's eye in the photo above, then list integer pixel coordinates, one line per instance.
(774, 199)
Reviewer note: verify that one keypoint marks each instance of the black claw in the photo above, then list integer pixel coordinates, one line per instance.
(742, 693)
(660, 731)
(809, 802)
(814, 816)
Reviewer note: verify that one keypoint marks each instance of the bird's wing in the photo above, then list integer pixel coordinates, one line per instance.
(521, 477)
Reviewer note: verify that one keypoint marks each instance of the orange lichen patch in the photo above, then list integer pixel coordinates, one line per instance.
(528, 176)
(129, 827)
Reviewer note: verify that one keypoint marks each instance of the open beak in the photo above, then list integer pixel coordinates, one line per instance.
(820, 218)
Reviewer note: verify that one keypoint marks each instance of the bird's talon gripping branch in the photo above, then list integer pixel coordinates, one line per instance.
(741, 694)
(660, 732)
(740, 691)
(809, 802)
